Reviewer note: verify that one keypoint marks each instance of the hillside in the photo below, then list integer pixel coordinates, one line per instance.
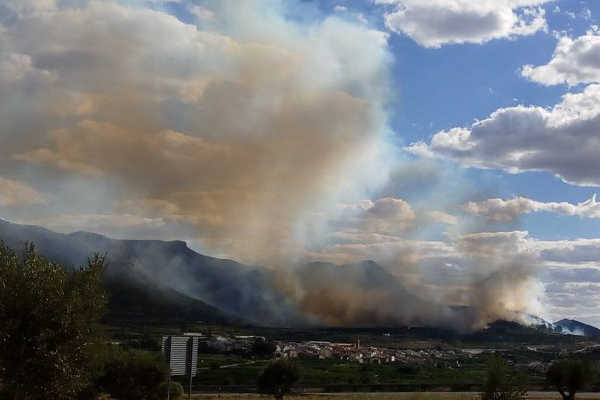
(152, 280)
(573, 327)
(157, 279)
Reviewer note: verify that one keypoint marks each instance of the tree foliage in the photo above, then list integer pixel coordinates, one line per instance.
(278, 378)
(175, 390)
(569, 376)
(502, 383)
(49, 324)
(263, 348)
(132, 375)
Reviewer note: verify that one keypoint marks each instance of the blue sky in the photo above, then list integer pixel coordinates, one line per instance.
(448, 140)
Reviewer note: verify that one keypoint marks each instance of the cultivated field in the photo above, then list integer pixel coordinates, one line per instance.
(387, 396)
(340, 396)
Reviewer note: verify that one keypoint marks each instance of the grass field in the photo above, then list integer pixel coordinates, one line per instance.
(388, 396)
(350, 396)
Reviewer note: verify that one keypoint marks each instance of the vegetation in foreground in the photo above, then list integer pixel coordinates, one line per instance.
(49, 325)
(51, 343)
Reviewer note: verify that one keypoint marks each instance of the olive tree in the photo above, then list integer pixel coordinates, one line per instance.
(278, 378)
(133, 375)
(503, 383)
(569, 376)
(49, 317)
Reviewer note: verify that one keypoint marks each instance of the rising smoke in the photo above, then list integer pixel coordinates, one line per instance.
(262, 132)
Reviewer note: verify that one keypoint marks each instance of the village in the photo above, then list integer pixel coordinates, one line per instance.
(363, 354)
(323, 350)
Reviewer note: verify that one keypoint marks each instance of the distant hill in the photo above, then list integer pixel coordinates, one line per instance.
(160, 279)
(573, 327)
(153, 279)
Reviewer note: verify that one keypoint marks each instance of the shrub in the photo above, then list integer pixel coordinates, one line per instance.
(569, 376)
(49, 317)
(175, 390)
(502, 383)
(134, 375)
(278, 378)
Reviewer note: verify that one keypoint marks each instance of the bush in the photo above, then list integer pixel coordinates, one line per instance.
(134, 375)
(502, 383)
(49, 322)
(263, 348)
(569, 376)
(278, 378)
(175, 390)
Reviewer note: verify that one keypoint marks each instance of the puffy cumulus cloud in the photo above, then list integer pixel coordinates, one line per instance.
(442, 217)
(508, 210)
(574, 61)
(385, 217)
(584, 252)
(240, 126)
(382, 216)
(439, 22)
(520, 138)
(18, 194)
(571, 277)
(16, 68)
(493, 246)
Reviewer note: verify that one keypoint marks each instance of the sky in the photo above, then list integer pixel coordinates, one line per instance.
(453, 142)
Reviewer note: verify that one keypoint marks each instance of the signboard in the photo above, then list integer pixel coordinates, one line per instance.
(181, 352)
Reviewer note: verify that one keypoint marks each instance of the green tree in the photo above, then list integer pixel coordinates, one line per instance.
(569, 376)
(263, 348)
(49, 324)
(502, 383)
(133, 375)
(175, 390)
(278, 378)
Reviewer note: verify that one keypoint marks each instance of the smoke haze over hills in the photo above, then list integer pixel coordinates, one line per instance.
(254, 136)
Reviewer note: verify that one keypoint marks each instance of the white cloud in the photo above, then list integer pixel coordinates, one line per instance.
(202, 13)
(440, 216)
(16, 68)
(507, 210)
(385, 216)
(574, 61)
(517, 139)
(436, 23)
(18, 194)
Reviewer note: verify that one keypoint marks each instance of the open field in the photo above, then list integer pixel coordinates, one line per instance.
(388, 396)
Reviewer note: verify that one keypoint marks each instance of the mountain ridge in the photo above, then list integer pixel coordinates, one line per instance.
(166, 280)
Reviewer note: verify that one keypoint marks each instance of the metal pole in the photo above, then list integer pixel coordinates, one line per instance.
(190, 389)
(169, 387)
(191, 356)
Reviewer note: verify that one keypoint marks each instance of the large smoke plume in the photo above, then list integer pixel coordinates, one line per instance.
(260, 136)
